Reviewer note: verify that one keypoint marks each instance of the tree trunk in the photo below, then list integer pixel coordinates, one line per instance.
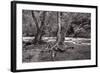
(35, 20)
(40, 32)
(59, 44)
(37, 37)
(61, 33)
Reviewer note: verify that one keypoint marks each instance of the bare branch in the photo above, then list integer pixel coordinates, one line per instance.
(35, 20)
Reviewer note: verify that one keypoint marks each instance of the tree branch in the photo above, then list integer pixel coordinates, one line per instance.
(35, 20)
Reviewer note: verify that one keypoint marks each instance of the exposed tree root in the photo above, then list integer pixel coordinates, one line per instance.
(56, 48)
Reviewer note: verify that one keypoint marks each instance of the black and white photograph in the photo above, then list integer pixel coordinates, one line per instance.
(55, 36)
(48, 36)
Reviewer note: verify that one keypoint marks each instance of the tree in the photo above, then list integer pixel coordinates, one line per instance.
(40, 31)
(60, 38)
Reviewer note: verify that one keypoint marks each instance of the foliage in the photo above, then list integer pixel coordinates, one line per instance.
(74, 24)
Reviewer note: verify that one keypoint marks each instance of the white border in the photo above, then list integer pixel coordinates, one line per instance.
(36, 65)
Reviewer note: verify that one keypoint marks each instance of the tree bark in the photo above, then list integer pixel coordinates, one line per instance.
(40, 32)
(59, 44)
(61, 33)
(35, 20)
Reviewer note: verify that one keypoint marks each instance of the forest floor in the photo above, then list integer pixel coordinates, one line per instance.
(34, 53)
